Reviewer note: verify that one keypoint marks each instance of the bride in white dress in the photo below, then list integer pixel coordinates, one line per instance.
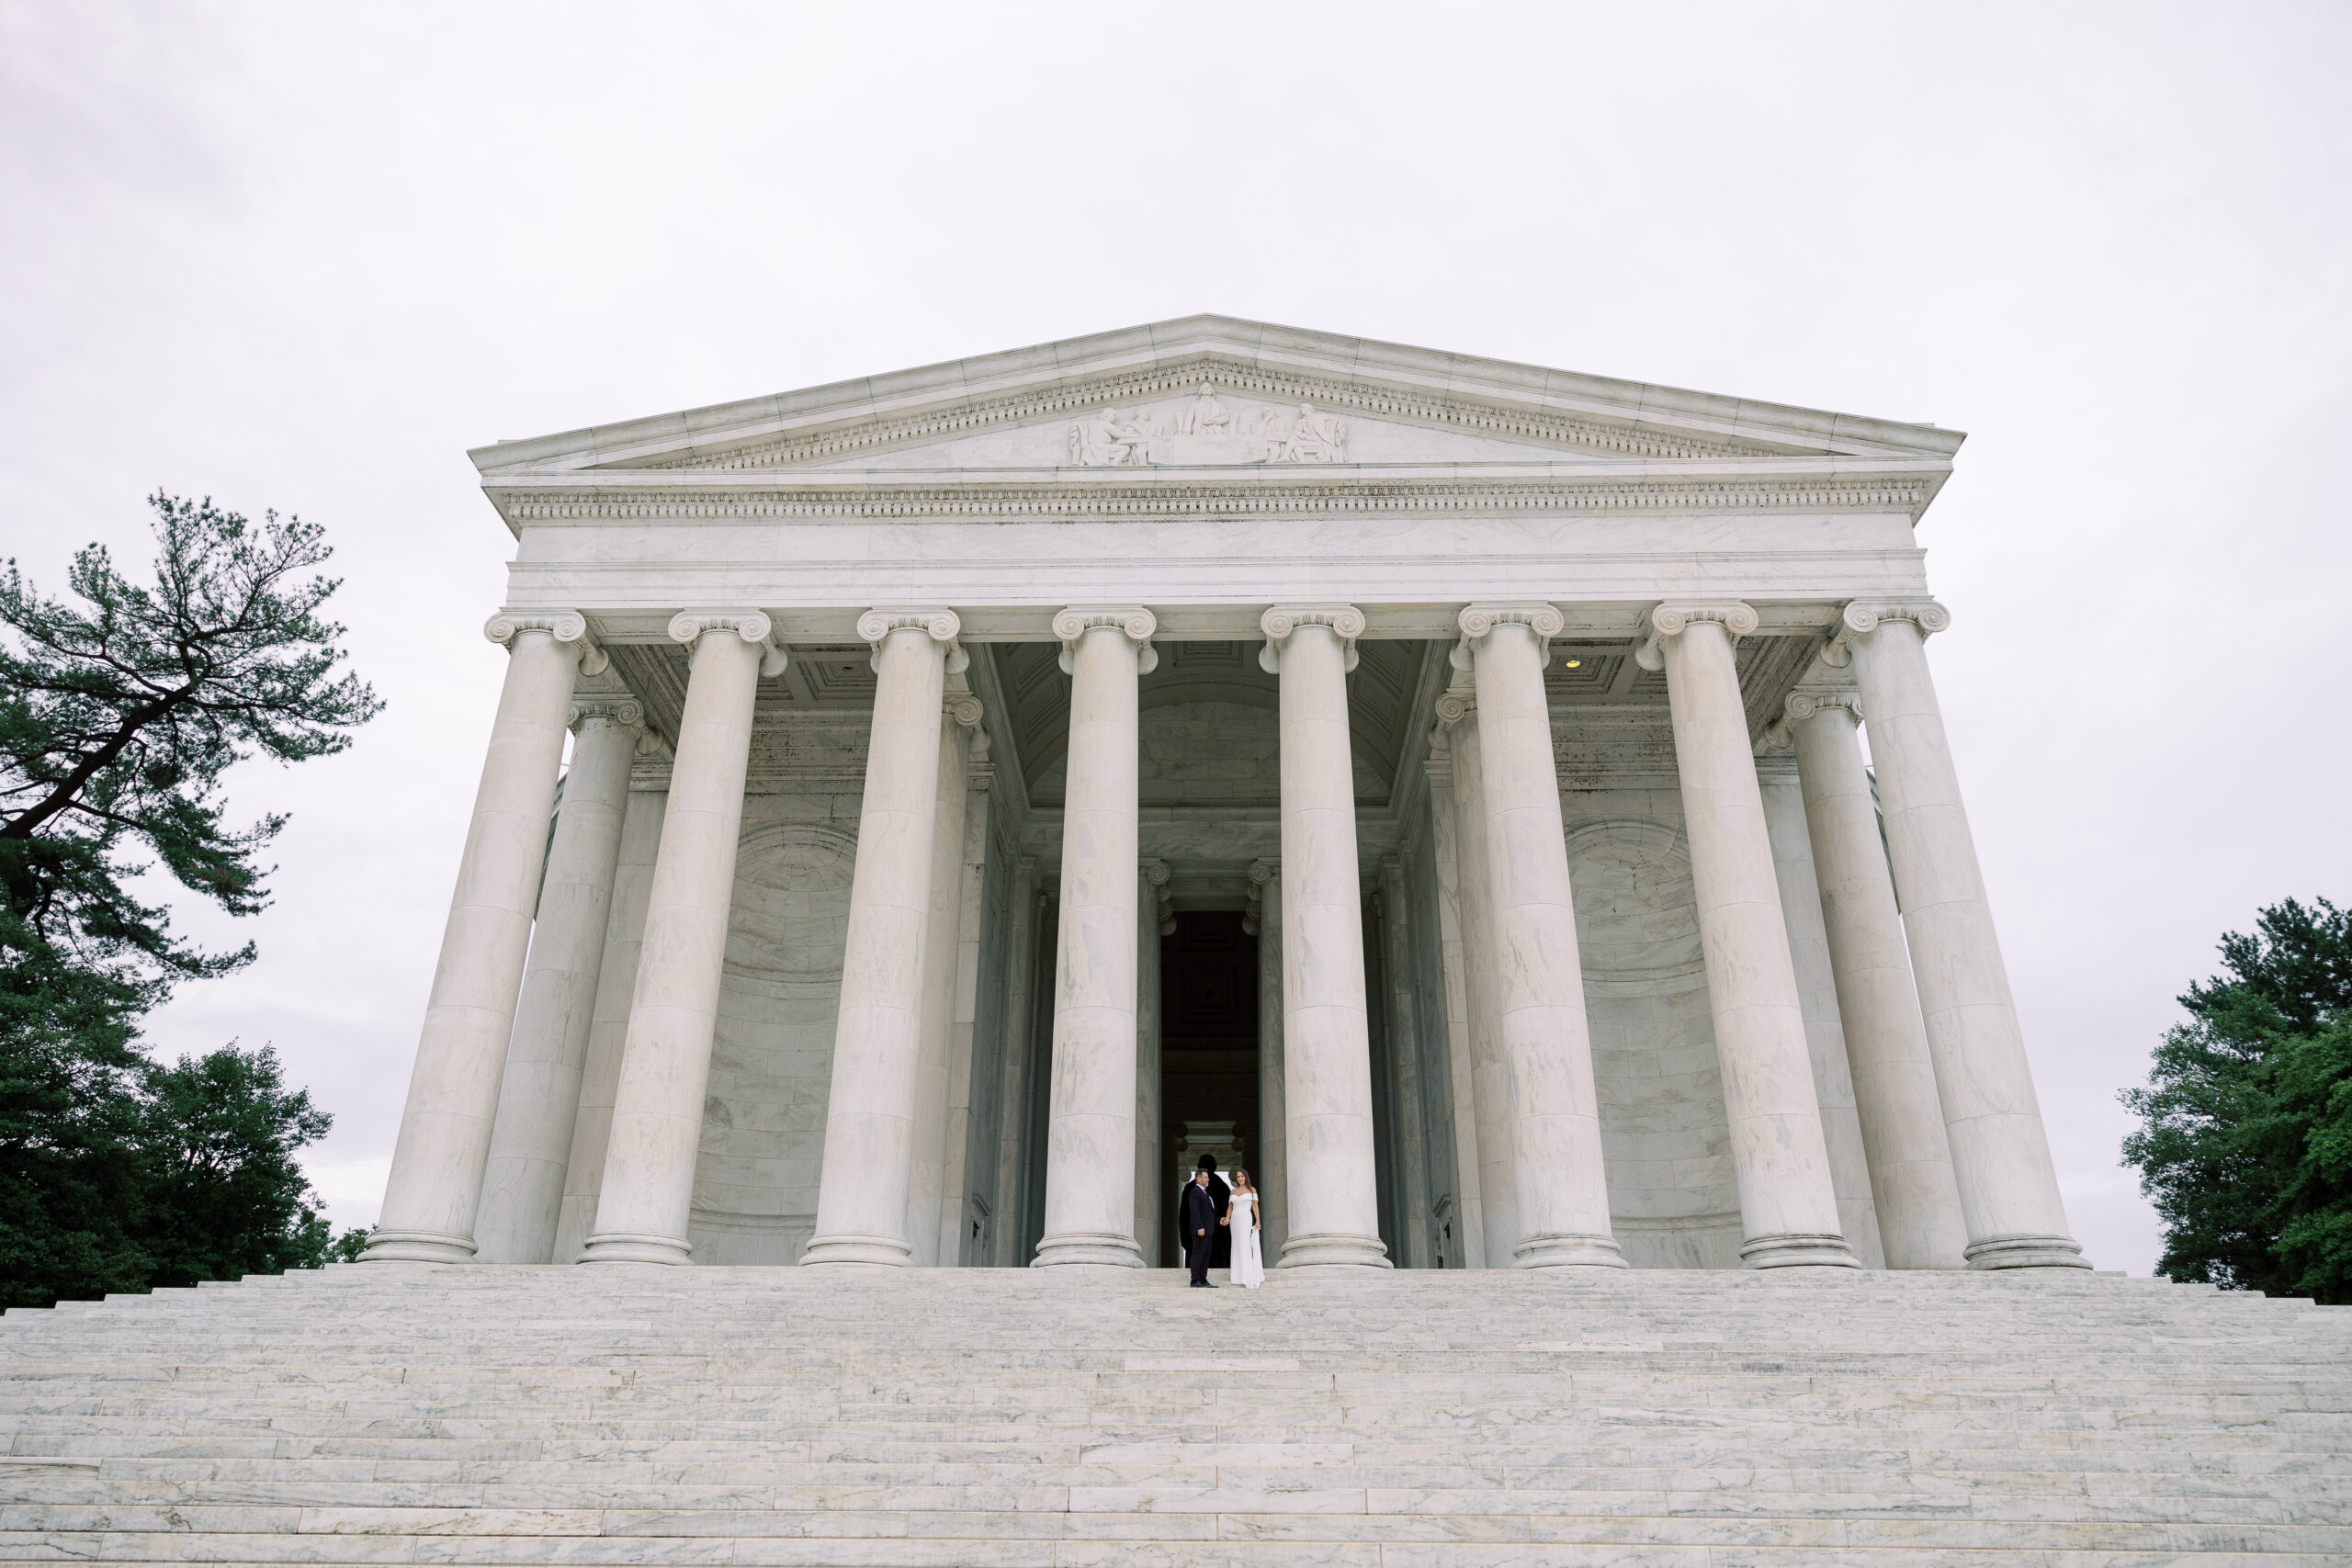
(1241, 1213)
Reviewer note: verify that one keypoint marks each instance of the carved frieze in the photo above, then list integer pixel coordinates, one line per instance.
(1204, 431)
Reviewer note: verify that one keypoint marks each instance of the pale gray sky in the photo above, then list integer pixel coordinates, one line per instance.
(304, 255)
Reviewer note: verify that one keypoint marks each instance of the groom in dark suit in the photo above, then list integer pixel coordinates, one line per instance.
(1200, 1219)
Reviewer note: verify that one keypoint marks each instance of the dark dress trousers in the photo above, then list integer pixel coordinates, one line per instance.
(1199, 1214)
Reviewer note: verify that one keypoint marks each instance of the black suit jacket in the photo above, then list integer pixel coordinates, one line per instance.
(1200, 1213)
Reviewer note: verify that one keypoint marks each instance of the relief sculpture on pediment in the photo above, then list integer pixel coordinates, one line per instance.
(1204, 432)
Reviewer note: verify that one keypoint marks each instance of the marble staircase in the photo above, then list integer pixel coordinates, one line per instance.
(628, 1414)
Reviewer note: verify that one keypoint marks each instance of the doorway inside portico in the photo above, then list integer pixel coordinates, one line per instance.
(1209, 1059)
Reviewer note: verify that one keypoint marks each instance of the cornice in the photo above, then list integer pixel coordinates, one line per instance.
(1346, 372)
(1179, 496)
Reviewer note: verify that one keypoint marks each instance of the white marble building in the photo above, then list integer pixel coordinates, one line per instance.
(1436, 783)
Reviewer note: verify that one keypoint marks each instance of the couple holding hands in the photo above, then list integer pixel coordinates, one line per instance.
(1209, 1206)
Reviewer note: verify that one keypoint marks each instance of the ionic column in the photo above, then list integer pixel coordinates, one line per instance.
(2000, 1154)
(1498, 1153)
(1272, 1168)
(1919, 1220)
(1561, 1184)
(649, 1180)
(600, 1077)
(1152, 922)
(531, 1143)
(435, 1183)
(927, 1172)
(1020, 1003)
(1326, 1044)
(955, 1248)
(1091, 1141)
(1405, 1045)
(878, 1038)
(1788, 1205)
(1470, 1241)
(1824, 1032)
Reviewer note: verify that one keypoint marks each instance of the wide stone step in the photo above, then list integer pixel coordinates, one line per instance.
(970, 1417)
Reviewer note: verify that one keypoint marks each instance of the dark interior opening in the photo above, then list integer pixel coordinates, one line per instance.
(1208, 1044)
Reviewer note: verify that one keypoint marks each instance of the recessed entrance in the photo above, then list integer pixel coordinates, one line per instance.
(1208, 1052)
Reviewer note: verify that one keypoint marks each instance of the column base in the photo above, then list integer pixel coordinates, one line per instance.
(1334, 1249)
(1099, 1249)
(1568, 1251)
(417, 1246)
(1797, 1252)
(2026, 1252)
(856, 1251)
(613, 1247)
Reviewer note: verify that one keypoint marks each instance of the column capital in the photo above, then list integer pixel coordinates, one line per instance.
(1253, 897)
(1075, 622)
(564, 626)
(967, 710)
(1670, 620)
(941, 624)
(752, 625)
(1345, 620)
(1798, 706)
(1861, 616)
(621, 712)
(1477, 620)
(1164, 908)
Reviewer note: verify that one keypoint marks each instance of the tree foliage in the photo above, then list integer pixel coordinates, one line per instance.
(121, 708)
(2246, 1141)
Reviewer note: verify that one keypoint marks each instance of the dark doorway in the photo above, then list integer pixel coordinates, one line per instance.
(1208, 1041)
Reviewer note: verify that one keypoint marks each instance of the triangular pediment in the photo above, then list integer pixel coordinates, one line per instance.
(1209, 392)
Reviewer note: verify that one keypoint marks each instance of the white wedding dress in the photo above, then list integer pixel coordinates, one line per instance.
(1248, 1266)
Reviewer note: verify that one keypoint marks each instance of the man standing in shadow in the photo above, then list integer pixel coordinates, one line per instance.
(1203, 1216)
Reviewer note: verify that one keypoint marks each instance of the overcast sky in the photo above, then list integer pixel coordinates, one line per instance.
(302, 256)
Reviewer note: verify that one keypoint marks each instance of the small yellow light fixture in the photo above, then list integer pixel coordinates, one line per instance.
(1573, 664)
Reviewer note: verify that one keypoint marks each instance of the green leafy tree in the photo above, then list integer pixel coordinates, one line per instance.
(121, 707)
(224, 1196)
(2245, 1136)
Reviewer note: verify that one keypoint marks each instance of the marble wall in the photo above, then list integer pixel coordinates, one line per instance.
(763, 1128)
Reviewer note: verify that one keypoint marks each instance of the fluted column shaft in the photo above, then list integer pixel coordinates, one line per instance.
(1788, 1205)
(648, 1189)
(1327, 1044)
(531, 1144)
(1152, 1198)
(431, 1197)
(600, 1077)
(927, 1172)
(2000, 1152)
(1469, 1221)
(1546, 1043)
(1272, 1166)
(1489, 1073)
(1406, 1027)
(1824, 1033)
(877, 1037)
(1919, 1221)
(1020, 1000)
(1091, 1139)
